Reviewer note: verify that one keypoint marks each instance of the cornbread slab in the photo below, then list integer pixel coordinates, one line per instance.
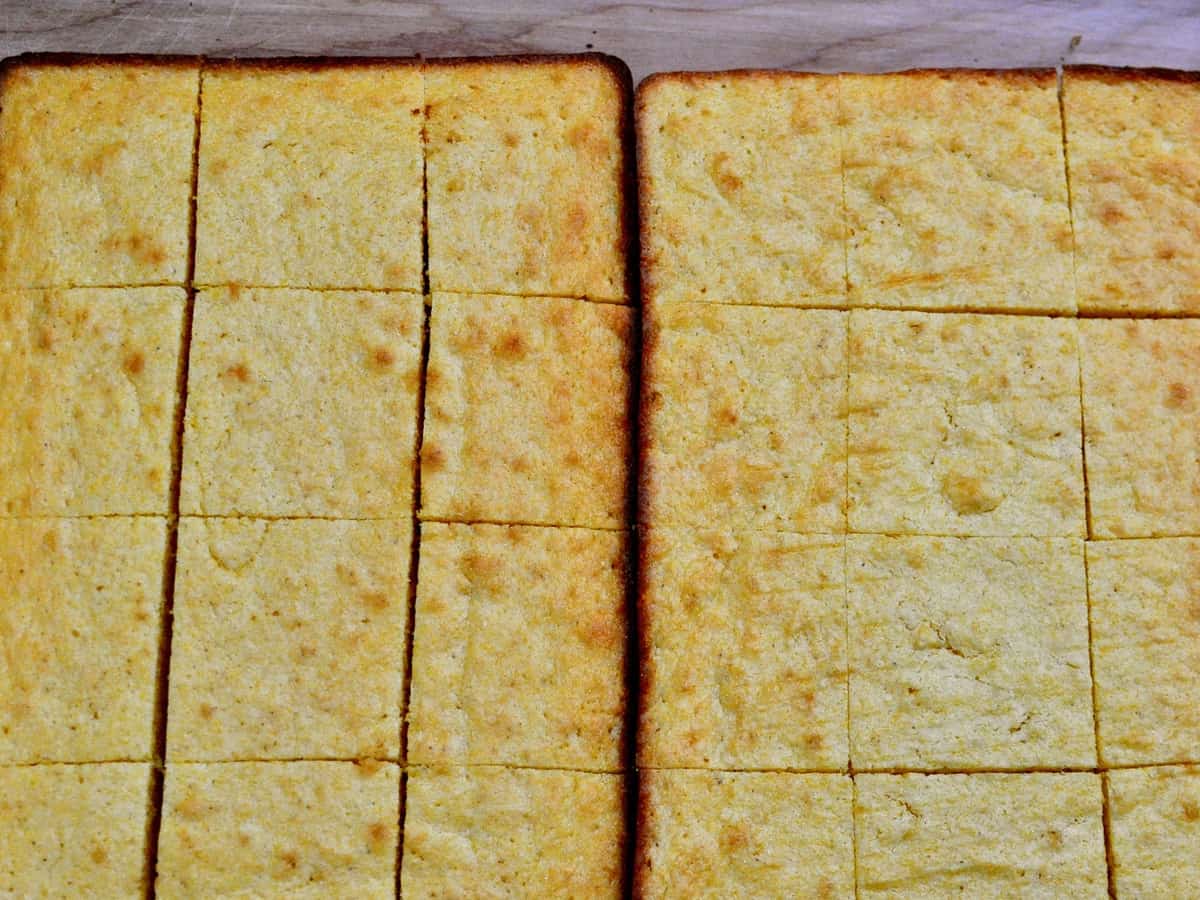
(88, 396)
(1155, 817)
(964, 424)
(527, 411)
(310, 175)
(1145, 598)
(740, 177)
(80, 623)
(968, 653)
(74, 831)
(302, 403)
(956, 191)
(987, 835)
(743, 418)
(744, 834)
(519, 647)
(493, 832)
(743, 660)
(279, 829)
(1141, 411)
(96, 170)
(527, 179)
(1135, 189)
(288, 639)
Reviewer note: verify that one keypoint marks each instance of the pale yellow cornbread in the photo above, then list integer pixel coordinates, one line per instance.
(80, 620)
(288, 639)
(1141, 411)
(744, 834)
(88, 394)
(968, 653)
(74, 831)
(964, 424)
(494, 832)
(1145, 598)
(1155, 816)
(310, 175)
(302, 403)
(740, 175)
(96, 171)
(743, 417)
(519, 647)
(990, 835)
(1134, 161)
(527, 411)
(279, 829)
(744, 650)
(525, 171)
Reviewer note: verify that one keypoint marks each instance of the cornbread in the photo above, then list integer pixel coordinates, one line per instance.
(74, 831)
(956, 191)
(744, 834)
(310, 175)
(743, 417)
(519, 647)
(1155, 831)
(527, 411)
(963, 424)
(495, 832)
(96, 171)
(526, 174)
(744, 659)
(279, 829)
(1141, 411)
(1145, 599)
(288, 639)
(80, 622)
(968, 653)
(1135, 189)
(741, 188)
(996, 835)
(88, 382)
(302, 403)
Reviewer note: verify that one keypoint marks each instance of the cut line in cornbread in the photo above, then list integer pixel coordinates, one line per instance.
(519, 647)
(302, 403)
(288, 639)
(1155, 816)
(499, 832)
(311, 175)
(744, 650)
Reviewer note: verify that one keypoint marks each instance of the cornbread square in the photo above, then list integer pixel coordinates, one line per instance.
(279, 829)
(1145, 598)
(499, 832)
(744, 834)
(956, 191)
(288, 639)
(526, 173)
(968, 653)
(74, 831)
(1155, 817)
(96, 158)
(519, 647)
(1141, 413)
(744, 650)
(986, 835)
(302, 403)
(964, 424)
(1135, 189)
(744, 418)
(527, 411)
(741, 181)
(310, 176)
(88, 396)
(81, 605)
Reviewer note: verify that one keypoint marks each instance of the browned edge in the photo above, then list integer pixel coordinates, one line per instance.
(644, 823)
(1131, 73)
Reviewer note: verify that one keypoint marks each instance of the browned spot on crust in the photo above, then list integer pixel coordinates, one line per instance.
(1177, 395)
(1191, 811)
(99, 855)
(511, 140)
(238, 372)
(207, 710)
(723, 176)
(378, 833)
(510, 346)
(134, 363)
(290, 859)
(368, 766)
(432, 457)
(50, 540)
(382, 358)
(733, 837)
(814, 741)
(376, 600)
(1054, 838)
(191, 807)
(45, 339)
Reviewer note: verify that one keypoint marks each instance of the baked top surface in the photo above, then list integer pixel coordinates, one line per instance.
(1155, 830)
